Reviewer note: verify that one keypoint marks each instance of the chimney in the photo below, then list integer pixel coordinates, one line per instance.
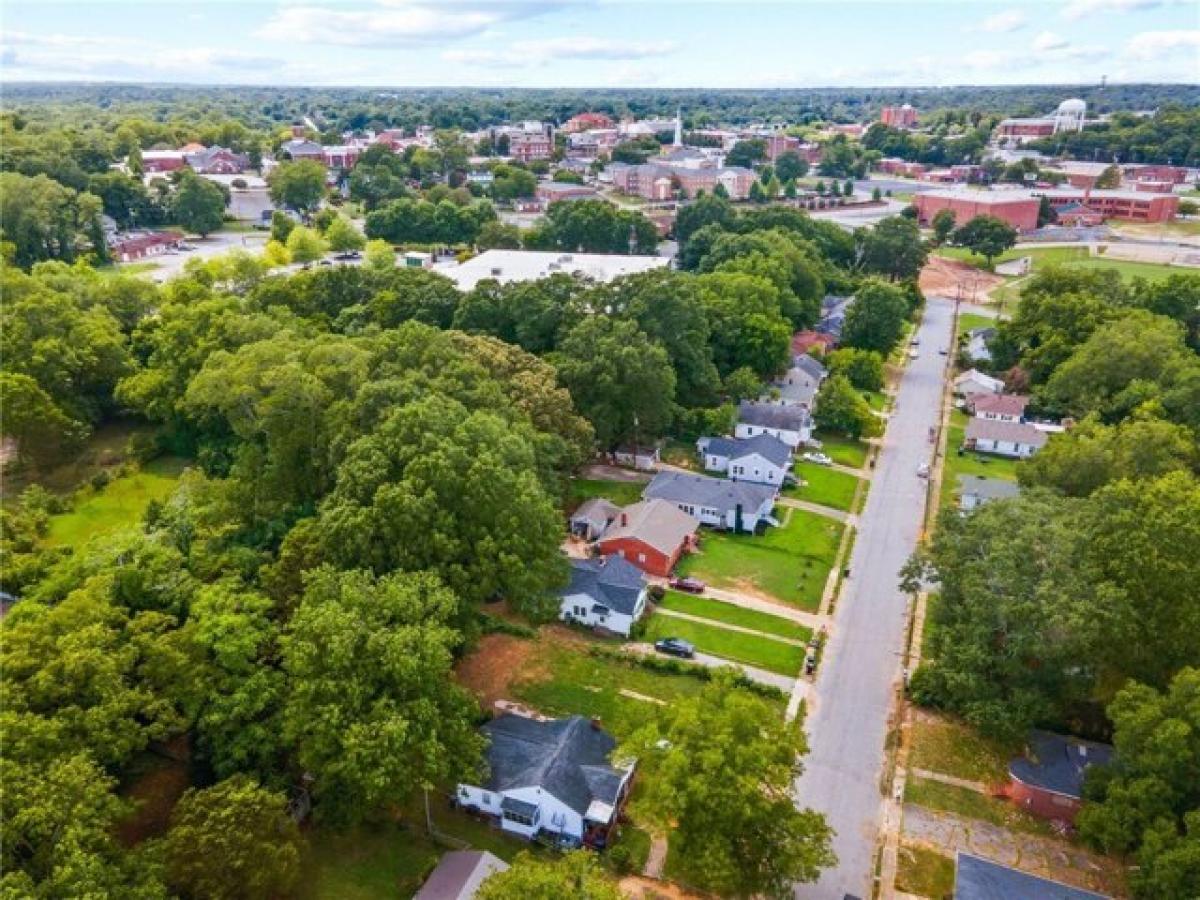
(595, 723)
(624, 519)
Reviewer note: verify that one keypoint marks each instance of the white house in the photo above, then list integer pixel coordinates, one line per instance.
(551, 777)
(977, 343)
(973, 381)
(976, 490)
(1012, 439)
(800, 383)
(998, 407)
(608, 593)
(792, 424)
(644, 459)
(729, 505)
(763, 459)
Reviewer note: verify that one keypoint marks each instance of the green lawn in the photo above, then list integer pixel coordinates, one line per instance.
(823, 485)
(842, 450)
(1073, 257)
(927, 631)
(765, 653)
(970, 321)
(621, 493)
(953, 748)
(118, 506)
(383, 860)
(680, 453)
(968, 462)
(924, 873)
(877, 400)
(719, 611)
(106, 448)
(973, 805)
(788, 564)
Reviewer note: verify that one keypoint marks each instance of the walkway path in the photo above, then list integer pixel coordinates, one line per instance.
(828, 511)
(857, 681)
(728, 626)
(657, 857)
(809, 620)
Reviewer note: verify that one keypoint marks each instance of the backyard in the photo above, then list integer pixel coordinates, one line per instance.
(117, 506)
(621, 493)
(737, 646)
(823, 485)
(787, 564)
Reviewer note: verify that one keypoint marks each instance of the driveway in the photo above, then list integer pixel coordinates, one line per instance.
(853, 694)
(715, 662)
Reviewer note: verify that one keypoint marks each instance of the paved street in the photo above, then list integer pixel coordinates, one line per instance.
(850, 703)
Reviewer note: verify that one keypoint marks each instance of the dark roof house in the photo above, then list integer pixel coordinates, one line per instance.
(459, 874)
(592, 517)
(767, 446)
(612, 582)
(1057, 763)
(702, 491)
(981, 879)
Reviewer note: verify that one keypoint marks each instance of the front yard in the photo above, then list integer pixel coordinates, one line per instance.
(736, 646)
(788, 564)
(720, 611)
(823, 485)
(842, 450)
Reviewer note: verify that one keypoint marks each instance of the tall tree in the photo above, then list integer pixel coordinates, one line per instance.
(341, 235)
(875, 319)
(842, 409)
(575, 875)
(894, 248)
(987, 236)
(299, 185)
(198, 204)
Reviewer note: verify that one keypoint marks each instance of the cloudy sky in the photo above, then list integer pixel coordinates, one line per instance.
(581, 43)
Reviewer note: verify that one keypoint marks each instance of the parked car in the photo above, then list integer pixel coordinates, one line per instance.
(913, 354)
(923, 470)
(675, 647)
(819, 458)
(943, 353)
(691, 585)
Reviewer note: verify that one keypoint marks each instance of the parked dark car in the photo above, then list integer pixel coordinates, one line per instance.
(690, 585)
(675, 647)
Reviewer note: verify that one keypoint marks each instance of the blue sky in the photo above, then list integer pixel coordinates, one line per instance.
(620, 43)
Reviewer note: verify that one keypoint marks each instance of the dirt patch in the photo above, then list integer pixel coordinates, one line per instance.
(605, 472)
(494, 664)
(639, 888)
(155, 792)
(953, 278)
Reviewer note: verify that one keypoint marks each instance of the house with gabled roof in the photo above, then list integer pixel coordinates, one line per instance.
(609, 593)
(592, 517)
(551, 779)
(1015, 440)
(976, 878)
(651, 534)
(719, 502)
(1048, 779)
(459, 874)
(763, 459)
(792, 424)
(973, 381)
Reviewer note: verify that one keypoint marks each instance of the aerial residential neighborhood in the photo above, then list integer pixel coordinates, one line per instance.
(503, 450)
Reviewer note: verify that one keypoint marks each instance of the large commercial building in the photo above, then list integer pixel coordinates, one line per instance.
(1070, 116)
(1018, 208)
(1123, 205)
(531, 265)
(658, 181)
(899, 116)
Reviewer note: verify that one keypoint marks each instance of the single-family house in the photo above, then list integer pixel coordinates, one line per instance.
(976, 878)
(1048, 779)
(592, 517)
(729, 505)
(551, 778)
(651, 534)
(1012, 439)
(791, 424)
(763, 459)
(645, 459)
(976, 490)
(299, 148)
(800, 383)
(459, 874)
(218, 161)
(973, 381)
(977, 343)
(997, 407)
(803, 341)
(607, 593)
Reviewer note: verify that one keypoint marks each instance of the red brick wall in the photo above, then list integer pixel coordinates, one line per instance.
(1043, 803)
(655, 563)
(1020, 213)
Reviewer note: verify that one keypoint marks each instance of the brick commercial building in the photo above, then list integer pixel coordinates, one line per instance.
(550, 191)
(1123, 205)
(1018, 208)
(659, 182)
(899, 116)
(526, 147)
(586, 121)
(892, 165)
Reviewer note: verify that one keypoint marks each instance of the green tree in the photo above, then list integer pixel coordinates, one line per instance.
(943, 226)
(341, 235)
(379, 256)
(373, 710)
(1147, 803)
(575, 875)
(232, 840)
(894, 248)
(747, 153)
(135, 163)
(43, 432)
(841, 408)
(719, 775)
(875, 320)
(46, 220)
(790, 165)
(497, 235)
(1109, 178)
(986, 236)
(621, 381)
(305, 245)
(863, 368)
(281, 226)
(299, 185)
(746, 323)
(198, 205)
(708, 209)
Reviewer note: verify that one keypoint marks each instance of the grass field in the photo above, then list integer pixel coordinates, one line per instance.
(954, 748)
(969, 463)
(106, 448)
(1073, 257)
(972, 805)
(774, 656)
(843, 451)
(118, 506)
(788, 564)
(383, 860)
(621, 493)
(823, 485)
(924, 873)
(719, 611)
(970, 321)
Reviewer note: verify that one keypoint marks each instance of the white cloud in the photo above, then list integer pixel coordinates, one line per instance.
(523, 53)
(1151, 45)
(1079, 9)
(1002, 22)
(28, 39)
(392, 23)
(1048, 40)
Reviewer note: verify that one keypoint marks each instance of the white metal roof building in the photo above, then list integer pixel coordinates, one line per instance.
(530, 265)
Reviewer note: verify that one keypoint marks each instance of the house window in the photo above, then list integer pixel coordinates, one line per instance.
(487, 798)
(580, 611)
(520, 819)
(641, 557)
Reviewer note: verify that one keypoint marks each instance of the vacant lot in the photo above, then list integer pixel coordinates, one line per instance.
(925, 873)
(972, 805)
(737, 646)
(621, 493)
(118, 506)
(787, 564)
(107, 448)
(380, 860)
(823, 485)
(1071, 257)
(720, 611)
(953, 748)
(843, 450)
(971, 321)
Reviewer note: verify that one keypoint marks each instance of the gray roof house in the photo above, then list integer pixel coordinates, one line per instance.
(763, 459)
(733, 505)
(811, 366)
(551, 776)
(1011, 439)
(800, 383)
(1057, 763)
(977, 878)
(459, 874)
(592, 517)
(791, 423)
(608, 593)
(976, 490)
(977, 343)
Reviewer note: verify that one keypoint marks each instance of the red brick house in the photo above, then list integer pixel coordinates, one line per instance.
(651, 534)
(1048, 779)
(526, 147)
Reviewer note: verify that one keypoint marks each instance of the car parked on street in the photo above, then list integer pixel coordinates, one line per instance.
(675, 647)
(690, 585)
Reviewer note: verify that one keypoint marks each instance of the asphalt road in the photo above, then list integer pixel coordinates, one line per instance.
(852, 698)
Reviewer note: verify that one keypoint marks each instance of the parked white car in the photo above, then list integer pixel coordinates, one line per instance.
(819, 458)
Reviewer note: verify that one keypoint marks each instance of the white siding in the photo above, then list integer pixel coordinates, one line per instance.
(581, 608)
(756, 468)
(553, 815)
(791, 438)
(1004, 448)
